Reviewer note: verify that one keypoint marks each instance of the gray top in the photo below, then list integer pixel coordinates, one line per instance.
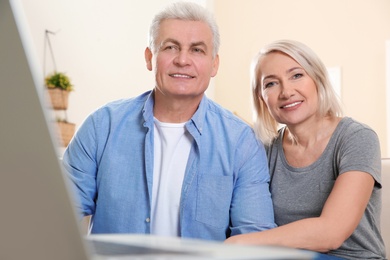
(300, 193)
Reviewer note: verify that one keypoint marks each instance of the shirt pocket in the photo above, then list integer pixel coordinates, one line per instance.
(213, 200)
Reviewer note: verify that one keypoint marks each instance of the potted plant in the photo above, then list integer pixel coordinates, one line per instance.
(58, 85)
(66, 131)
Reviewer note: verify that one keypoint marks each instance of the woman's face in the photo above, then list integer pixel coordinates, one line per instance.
(289, 93)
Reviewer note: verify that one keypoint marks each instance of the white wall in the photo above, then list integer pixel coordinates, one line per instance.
(99, 44)
(388, 95)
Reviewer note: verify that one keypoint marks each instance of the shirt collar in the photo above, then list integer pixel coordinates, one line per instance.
(197, 119)
(147, 110)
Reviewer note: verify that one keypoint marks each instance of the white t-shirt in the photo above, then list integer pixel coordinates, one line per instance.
(172, 144)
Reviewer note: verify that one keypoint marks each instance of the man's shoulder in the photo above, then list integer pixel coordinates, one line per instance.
(125, 103)
(117, 109)
(219, 112)
(131, 101)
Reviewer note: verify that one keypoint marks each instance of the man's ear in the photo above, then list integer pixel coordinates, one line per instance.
(215, 66)
(148, 58)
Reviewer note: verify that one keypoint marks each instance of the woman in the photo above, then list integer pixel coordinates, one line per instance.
(325, 168)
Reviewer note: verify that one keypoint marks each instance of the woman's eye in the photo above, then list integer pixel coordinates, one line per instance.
(298, 75)
(269, 84)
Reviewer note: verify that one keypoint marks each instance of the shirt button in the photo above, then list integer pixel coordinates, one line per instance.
(147, 220)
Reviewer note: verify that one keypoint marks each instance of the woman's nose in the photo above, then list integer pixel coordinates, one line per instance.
(286, 91)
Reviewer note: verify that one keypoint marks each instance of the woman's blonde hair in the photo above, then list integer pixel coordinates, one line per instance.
(266, 127)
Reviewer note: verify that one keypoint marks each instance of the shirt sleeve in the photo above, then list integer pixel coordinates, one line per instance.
(80, 164)
(359, 150)
(251, 208)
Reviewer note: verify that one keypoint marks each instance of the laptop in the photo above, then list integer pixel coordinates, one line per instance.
(38, 219)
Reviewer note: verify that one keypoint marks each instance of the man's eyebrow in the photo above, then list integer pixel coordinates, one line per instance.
(199, 43)
(194, 44)
(169, 40)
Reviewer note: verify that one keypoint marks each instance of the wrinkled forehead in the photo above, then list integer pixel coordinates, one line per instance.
(184, 32)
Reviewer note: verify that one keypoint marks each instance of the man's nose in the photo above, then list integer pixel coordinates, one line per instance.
(182, 58)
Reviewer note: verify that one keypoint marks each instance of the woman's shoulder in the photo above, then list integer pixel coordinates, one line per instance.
(353, 125)
(350, 129)
(352, 136)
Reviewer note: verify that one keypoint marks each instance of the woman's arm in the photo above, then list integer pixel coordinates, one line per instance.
(339, 218)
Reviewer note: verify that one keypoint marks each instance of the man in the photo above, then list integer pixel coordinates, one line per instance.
(171, 162)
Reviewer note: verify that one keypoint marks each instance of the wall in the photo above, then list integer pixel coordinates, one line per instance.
(349, 34)
(100, 45)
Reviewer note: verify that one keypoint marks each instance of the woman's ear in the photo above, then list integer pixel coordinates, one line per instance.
(148, 58)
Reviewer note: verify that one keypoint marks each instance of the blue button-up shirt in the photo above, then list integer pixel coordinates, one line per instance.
(226, 184)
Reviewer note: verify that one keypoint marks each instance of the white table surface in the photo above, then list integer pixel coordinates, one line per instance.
(198, 249)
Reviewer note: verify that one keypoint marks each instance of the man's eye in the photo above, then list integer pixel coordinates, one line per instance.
(170, 47)
(199, 50)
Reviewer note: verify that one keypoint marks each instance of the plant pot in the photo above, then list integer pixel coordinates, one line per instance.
(58, 98)
(66, 132)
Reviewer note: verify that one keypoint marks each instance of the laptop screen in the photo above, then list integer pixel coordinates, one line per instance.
(37, 216)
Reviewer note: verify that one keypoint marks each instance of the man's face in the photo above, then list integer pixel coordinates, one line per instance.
(183, 61)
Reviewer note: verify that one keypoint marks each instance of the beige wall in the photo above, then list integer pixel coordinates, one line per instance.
(99, 44)
(101, 48)
(350, 34)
